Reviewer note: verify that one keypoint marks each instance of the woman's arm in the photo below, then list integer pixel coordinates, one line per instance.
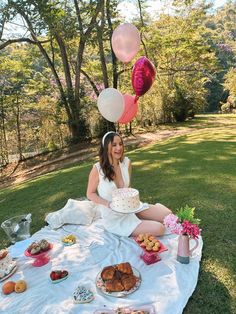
(92, 188)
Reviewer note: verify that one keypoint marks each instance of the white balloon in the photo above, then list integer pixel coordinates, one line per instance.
(111, 104)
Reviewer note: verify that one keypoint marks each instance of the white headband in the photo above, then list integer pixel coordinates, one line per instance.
(105, 135)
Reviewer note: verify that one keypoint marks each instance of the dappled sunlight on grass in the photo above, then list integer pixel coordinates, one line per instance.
(221, 272)
(55, 197)
(198, 169)
(139, 163)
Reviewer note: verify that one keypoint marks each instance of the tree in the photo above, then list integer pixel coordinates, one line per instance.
(58, 22)
(222, 39)
(184, 61)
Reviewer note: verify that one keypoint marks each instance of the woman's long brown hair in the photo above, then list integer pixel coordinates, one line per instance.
(107, 168)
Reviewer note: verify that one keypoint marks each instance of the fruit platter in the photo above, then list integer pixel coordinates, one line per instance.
(57, 276)
(151, 247)
(39, 251)
(69, 240)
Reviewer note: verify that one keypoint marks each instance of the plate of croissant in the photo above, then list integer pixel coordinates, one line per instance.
(118, 280)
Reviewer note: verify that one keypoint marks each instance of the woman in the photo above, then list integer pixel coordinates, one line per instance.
(114, 171)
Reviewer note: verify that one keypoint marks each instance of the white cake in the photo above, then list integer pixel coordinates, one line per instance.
(6, 263)
(125, 200)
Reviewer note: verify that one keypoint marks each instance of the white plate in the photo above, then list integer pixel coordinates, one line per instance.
(100, 284)
(9, 275)
(141, 207)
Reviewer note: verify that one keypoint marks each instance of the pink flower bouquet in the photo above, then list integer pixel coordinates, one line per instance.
(183, 222)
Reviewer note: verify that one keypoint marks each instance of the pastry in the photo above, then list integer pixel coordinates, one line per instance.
(114, 285)
(118, 278)
(108, 273)
(128, 281)
(38, 247)
(125, 268)
(44, 244)
(3, 253)
(148, 242)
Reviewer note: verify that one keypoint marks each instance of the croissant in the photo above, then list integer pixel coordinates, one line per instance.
(114, 285)
(108, 273)
(128, 281)
(125, 268)
(117, 274)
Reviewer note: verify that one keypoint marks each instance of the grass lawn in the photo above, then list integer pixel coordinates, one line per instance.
(198, 169)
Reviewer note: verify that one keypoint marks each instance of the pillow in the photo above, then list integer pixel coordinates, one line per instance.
(74, 212)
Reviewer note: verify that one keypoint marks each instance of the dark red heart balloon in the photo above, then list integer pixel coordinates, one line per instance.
(143, 76)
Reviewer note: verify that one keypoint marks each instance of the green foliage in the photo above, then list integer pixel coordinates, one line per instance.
(222, 38)
(52, 146)
(187, 213)
(191, 50)
(230, 82)
(184, 60)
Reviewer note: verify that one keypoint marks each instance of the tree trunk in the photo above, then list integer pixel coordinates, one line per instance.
(114, 59)
(4, 149)
(18, 130)
(100, 31)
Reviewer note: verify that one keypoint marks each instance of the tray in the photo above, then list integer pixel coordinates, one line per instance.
(148, 309)
(163, 248)
(10, 274)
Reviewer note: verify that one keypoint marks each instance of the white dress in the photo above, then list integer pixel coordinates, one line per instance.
(120, 224)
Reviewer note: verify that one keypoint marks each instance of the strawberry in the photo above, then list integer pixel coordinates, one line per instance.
(64, 273)
(58, 274)
(53, 275)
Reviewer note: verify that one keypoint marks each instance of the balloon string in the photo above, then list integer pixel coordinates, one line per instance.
(124, 69)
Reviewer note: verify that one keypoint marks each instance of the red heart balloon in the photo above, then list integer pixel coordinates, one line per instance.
(143, 76)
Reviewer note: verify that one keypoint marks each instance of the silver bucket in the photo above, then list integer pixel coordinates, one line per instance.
(17, 228)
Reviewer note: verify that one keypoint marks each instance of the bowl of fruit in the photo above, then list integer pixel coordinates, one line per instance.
(57, 276)
(69, 240)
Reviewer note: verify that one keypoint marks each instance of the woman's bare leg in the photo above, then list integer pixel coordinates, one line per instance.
(155, 212)
(147, 226)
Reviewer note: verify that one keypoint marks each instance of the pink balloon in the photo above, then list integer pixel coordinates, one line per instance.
(143, 76)
(131, 108)
(125, 42)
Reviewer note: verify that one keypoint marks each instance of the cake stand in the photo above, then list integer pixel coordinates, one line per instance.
(41, 258)
(151, 257)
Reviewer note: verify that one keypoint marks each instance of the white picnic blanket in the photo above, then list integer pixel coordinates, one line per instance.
(167, 284)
